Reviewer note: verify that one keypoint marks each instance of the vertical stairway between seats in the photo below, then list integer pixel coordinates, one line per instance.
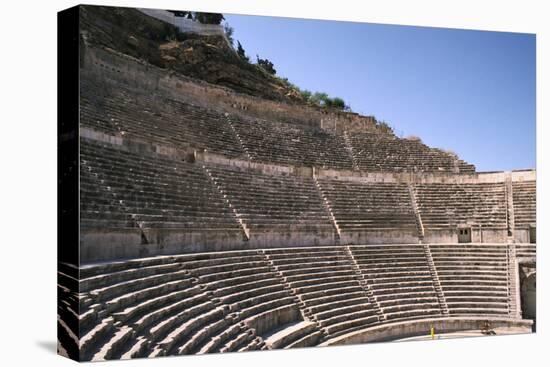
(436, 282)
(418, 218)
(328, 209)
(365, 286)
(514, 308)
(242, 224)
(510, 220)
(238, 136)
(349, 149)
(110, 192)
(306, 314)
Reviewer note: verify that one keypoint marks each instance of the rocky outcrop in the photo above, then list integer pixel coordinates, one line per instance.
(208, 58)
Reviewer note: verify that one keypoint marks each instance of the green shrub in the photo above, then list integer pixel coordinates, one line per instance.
(209, 18)
(229, 33)
(306, 95)
(338, 103)
(241, 53)
(266, 65)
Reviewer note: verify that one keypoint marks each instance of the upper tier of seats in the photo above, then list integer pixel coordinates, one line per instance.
(379, 152)
(294, 144)
(272, 202)
(120, 189)
(277, 298)
(444, 205)
(525, 203)
(153, 116)
(361, 206)
(116, 109)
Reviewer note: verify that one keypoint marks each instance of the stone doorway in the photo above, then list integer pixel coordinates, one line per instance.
(529, 297)
(532, 234)
(464, 235)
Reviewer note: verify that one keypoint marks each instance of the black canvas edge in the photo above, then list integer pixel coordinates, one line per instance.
(68, 174)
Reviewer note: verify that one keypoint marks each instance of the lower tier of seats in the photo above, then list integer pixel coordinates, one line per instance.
(274, 298)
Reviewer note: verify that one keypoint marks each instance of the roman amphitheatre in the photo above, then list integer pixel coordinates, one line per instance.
(219, 213)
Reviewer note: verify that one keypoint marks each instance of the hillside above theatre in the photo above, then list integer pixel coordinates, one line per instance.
(205, 71)
(208, 58)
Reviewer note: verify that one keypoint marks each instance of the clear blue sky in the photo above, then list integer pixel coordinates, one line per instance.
(472, 92)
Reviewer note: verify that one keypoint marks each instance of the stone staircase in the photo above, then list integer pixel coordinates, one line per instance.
(110, 192)
(510, 217)
(364, 284)
(418, 217)
(349, 149)
(238, 137)
(306, 313)
(246, 232)
(437, 283)
(400, 279)
(328, 288)
(513, 286)
(328, 209)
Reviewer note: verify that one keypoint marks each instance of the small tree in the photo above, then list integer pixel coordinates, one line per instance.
(209, 18)
(241, 53)
(180, 13)
(385, 126)
(339, 103)
(266, 65)
(306, 95)
(319, 98)
(229, 33)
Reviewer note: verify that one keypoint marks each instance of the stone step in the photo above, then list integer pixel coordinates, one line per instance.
(289, 334)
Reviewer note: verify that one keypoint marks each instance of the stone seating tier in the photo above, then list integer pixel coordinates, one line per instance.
(376, 152)
(526, 250)
(123, 189)
(444, 205)
(369, 206)
(178, 310)
(261, 299)
(291, 144)
(474, 277)
(266, 201)
(525, 203)
(405, 288)
(128, 112)
(116, 108)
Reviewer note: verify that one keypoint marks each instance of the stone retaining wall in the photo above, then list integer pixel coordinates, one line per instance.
(406, 329)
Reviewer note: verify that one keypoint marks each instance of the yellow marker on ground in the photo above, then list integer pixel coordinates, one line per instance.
(432, 332)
